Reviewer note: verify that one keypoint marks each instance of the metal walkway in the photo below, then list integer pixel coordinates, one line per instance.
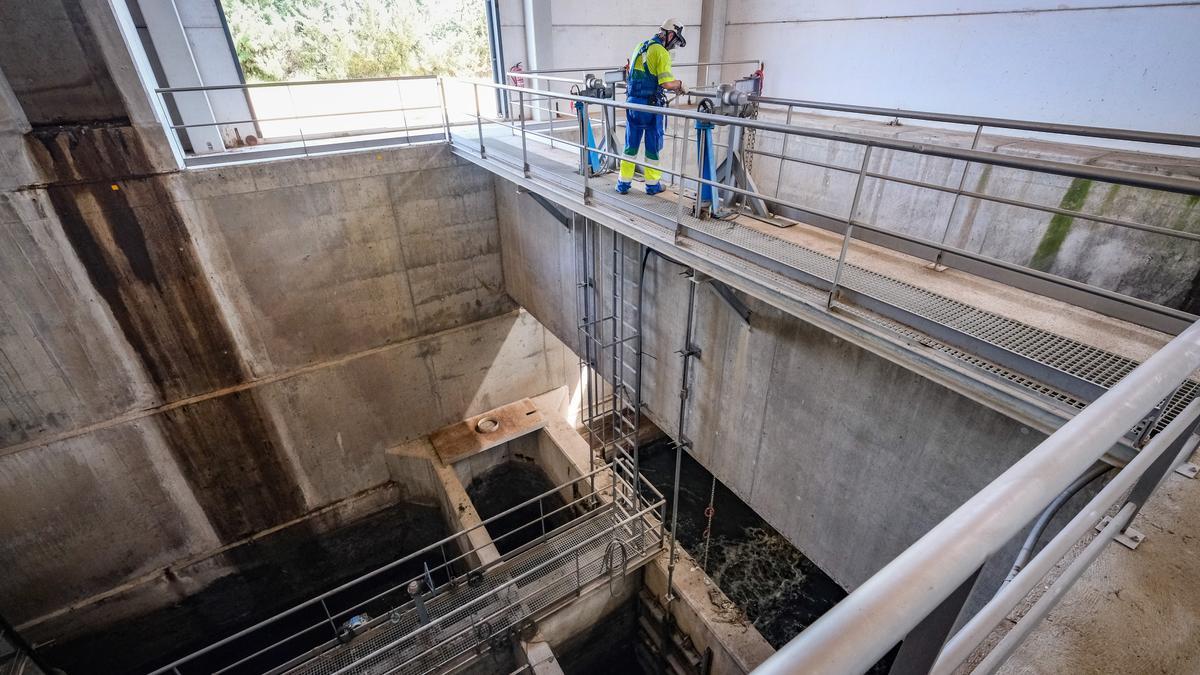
(1065, 372)
(612, 530)
(463, 620)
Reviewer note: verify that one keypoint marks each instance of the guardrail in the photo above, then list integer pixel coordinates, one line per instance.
(1106, 301)
(275, 645)
(301, 118)
(893, 603)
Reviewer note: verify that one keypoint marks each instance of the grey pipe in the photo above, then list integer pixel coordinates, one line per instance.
(1039, 527)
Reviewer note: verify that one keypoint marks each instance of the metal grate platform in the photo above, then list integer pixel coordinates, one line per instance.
(464, 619)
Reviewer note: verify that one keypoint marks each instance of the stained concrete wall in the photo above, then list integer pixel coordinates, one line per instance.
(231, 349)
(848, 455)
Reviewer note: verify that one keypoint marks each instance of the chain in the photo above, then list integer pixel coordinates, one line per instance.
(708, 513)
(749, 137)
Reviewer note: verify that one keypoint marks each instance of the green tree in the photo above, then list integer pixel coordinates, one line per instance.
(279, 40)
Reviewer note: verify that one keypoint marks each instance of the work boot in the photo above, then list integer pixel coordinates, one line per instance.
(623, 187)
(654, 189)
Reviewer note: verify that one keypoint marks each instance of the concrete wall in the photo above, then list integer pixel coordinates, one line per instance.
(582, 35)
(1100, 62)
(237, 353)
(848, 455)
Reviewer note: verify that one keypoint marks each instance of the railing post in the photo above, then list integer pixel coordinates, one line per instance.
(329, 617)
(584, 166)
(1160, 469)
(403, 115)
(542, 517)
(837, 275)
(962, 181)
(441, 82)
(922, 644)
(679, 193)
(479, 121)
(524, 144)
(578, 578)
(783, 153)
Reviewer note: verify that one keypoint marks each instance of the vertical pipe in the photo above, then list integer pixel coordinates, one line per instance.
(837, 275)
(688, 354)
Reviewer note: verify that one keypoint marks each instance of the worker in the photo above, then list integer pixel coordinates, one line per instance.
(647, 82)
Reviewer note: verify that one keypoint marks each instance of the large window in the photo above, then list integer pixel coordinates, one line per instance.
(280, 40)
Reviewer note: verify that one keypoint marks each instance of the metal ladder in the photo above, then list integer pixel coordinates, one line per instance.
(609, 346)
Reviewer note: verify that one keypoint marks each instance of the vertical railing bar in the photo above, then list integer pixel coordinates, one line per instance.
(403, 115)
(479, 121)
(329, 617)
(837, 275)
(962, 181)
(680, 192)
(783, 153)
(445, 108)
(524, 136)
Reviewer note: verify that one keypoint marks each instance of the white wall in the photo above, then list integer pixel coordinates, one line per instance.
(1047, 60)
(587, 34)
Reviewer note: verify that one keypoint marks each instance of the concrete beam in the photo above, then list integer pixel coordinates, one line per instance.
(179, 65)
(539, 656)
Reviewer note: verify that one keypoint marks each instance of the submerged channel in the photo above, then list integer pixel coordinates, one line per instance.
(506, 486)
(780, 590)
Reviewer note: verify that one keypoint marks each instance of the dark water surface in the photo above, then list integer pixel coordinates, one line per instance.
(275, 573)
(505, 486)
(780, 590)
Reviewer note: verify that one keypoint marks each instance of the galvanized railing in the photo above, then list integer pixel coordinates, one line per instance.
(1106, 301)
(301, 118)
(633, 511)
(908, 594)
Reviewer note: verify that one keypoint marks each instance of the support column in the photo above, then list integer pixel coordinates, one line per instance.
(16, 167)
(713, 15)
(539, 46)
(179, 65)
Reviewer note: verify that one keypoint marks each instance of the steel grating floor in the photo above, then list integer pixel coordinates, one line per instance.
(472, 615)
(1096, 369)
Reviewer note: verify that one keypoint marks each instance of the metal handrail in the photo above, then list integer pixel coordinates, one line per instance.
(428, 627)
(317, 599)
(599, 69)
(960, 646)
(1127, 307)
(1185, 186)
(861, 628)
(296, 83)
(1119, 134)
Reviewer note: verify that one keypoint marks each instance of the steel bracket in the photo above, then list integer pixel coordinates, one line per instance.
(726, 293)
(1129, 537)
(1187, 470)
(548, 206)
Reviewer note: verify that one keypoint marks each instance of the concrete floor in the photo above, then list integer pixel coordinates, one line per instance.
(1132, 611)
